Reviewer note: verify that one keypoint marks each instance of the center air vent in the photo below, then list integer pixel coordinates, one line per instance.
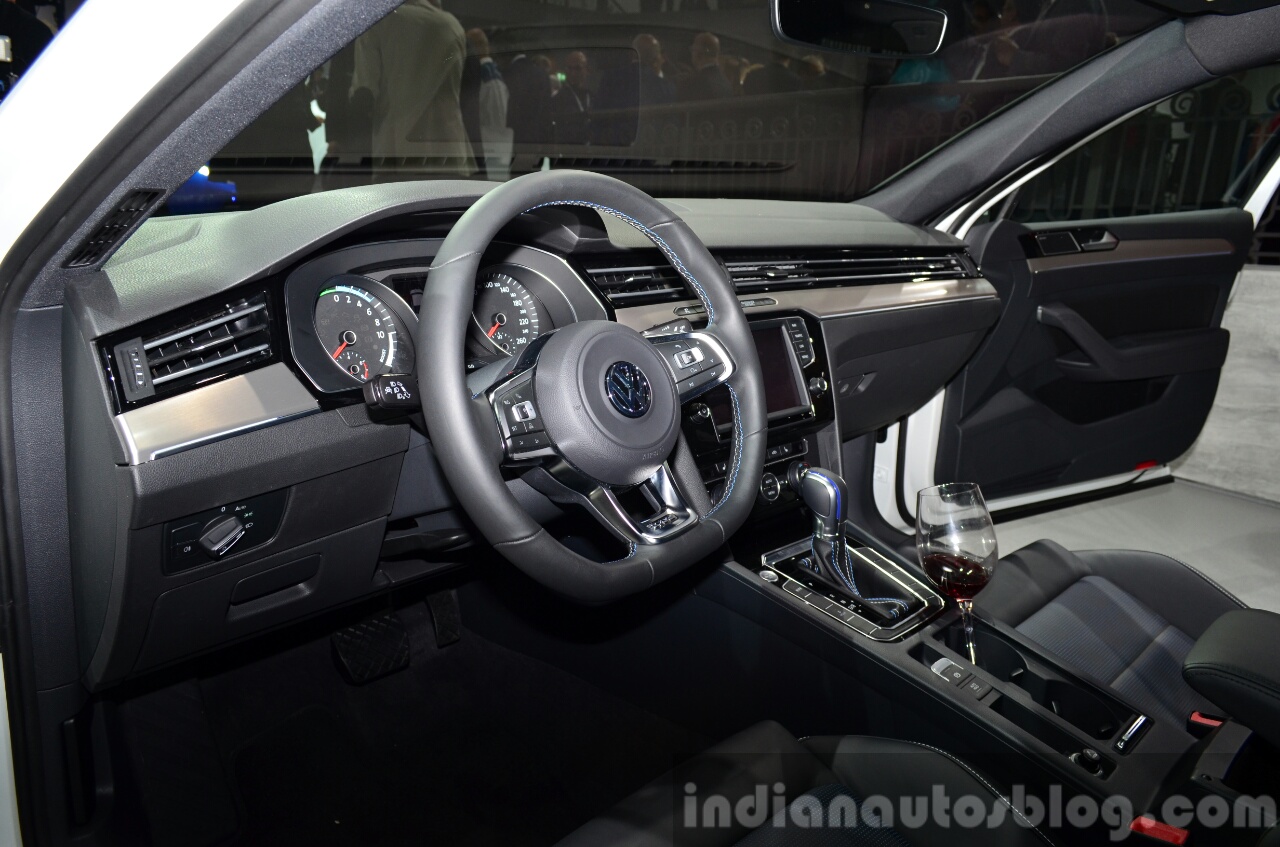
(753, 273)
(639, 286)
(202, 346)
(783, 273)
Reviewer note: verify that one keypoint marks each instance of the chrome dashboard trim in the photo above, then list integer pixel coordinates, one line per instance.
(246, 402)
(824, 303)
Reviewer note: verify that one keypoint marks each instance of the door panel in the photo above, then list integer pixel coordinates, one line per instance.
(1106, 356)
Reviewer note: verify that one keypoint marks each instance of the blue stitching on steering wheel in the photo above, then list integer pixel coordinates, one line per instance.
(652, 236)
(738, 439)
(624, 558)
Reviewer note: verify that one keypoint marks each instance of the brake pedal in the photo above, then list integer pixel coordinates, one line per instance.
(371, 649)
(446, 617)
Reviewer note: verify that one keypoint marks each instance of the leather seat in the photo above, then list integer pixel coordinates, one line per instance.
(686, 806)
(1125, 617)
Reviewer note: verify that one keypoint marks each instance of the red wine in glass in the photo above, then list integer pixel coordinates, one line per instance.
(956, 541)
(958, 577)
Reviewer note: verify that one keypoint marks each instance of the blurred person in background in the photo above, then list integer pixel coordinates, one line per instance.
(572, 105)
(485, 98)
(410, 63)
(528, 101)
(773, 78)
(706, 81)
(628, 88)
(813, 74)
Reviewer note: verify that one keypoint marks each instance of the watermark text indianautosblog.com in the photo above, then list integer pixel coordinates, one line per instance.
(769, 805)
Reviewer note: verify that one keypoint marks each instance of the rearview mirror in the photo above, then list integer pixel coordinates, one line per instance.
(874, 27)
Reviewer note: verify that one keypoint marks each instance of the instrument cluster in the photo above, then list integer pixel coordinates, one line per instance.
(352, 315)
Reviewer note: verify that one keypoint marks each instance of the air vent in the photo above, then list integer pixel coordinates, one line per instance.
(783, 273)
(201, 347)
(639, 286)
(111, 232)
(755, 273)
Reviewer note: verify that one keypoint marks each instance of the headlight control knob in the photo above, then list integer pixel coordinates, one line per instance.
(221, 534)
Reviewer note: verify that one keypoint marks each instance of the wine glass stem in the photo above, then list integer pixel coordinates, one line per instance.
(966, 618)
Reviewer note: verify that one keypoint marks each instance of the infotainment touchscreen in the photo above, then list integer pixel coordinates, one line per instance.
(784, 389)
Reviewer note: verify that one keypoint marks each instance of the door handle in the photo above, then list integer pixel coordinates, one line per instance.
(1133, 357)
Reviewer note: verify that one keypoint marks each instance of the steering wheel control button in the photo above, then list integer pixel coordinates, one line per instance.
(392, 391)
(629, 389)
(689, 358)
(523, 411)
(519, 409)
(525, 444)
(221, 534)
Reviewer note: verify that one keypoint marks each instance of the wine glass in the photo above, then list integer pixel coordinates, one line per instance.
(956, 541)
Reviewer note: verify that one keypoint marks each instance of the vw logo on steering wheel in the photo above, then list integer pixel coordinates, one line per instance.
(628, 389)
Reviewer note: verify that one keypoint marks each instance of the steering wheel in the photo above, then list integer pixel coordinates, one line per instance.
(591, 411)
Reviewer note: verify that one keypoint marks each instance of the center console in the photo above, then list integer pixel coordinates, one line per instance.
(802, 570)
(798, 400)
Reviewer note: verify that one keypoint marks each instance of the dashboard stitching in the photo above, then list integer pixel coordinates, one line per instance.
(738, 439)
(652, 236)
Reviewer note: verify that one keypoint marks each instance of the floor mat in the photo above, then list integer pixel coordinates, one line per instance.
(278, 774)
(473, 745)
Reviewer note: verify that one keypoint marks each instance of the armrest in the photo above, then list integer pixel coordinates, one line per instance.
(1236, 664)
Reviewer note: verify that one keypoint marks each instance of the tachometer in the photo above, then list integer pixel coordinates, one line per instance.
(362, 336)
(506, 315)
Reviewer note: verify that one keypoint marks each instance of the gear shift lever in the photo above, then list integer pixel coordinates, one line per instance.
(827, 496)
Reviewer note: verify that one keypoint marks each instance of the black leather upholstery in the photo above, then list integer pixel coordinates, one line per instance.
(765, 756)
(1125, 617)
(1236, 665)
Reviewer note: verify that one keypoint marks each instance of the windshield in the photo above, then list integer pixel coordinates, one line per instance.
(692, 98)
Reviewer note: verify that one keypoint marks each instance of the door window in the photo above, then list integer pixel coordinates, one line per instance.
(1205, 148)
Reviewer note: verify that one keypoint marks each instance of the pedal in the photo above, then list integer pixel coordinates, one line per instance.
(371, 649)
(446, 617)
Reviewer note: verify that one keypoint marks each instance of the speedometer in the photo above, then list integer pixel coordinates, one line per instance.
(361, 334)
(507, 316)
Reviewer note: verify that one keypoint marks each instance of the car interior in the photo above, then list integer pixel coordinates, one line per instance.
(438, 484)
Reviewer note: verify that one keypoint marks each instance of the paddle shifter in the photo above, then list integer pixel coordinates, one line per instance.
(826, 495)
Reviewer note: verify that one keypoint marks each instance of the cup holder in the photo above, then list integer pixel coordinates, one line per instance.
(1074, 703)
(1080, 708)
(995, 655)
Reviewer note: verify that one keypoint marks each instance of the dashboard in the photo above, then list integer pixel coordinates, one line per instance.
(214, 370)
